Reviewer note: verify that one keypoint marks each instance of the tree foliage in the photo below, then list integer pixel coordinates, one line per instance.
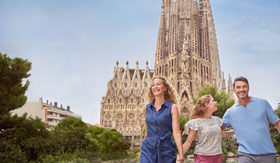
(28, 138)
(274, 133)
(110, 143)
(70, 135)
(12, 72)
(182, 122)
(25, 139)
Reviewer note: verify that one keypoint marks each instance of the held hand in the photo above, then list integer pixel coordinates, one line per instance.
(180, 159)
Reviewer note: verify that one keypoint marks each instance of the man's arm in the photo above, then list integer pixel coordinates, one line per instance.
(226, 133)
(277, 125)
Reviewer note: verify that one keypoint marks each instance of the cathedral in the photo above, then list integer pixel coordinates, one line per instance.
(186, 54)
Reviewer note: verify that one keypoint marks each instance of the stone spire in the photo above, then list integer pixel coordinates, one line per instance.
(206, 13)
(147, 74)
(117, 74)
(224, 84)
(173, 29)
(136, 74)
(230, 88)
(194, 29)
(126, 74)
(161, 41)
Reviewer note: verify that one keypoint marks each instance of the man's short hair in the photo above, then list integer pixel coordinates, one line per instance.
(241, 78)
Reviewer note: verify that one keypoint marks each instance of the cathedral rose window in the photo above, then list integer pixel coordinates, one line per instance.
(108, 116)
(131, 115)
(120, 116)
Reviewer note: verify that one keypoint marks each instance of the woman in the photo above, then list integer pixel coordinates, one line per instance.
(162, 121)
(207, 131)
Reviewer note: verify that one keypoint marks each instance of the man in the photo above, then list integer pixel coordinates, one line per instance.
(249, 119)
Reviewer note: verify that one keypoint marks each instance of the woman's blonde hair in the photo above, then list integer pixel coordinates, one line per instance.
(170, 94)
(200, 108)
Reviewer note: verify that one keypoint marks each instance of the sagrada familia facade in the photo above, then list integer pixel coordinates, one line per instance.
(186, 54)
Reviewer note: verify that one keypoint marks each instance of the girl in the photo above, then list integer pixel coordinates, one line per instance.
(207, 131)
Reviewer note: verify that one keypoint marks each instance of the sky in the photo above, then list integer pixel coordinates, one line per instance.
(74, 45)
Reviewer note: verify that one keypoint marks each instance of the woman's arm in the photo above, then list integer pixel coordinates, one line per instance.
(188, 142)
(176, 132)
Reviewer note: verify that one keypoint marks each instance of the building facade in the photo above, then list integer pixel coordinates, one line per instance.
(186, 54)
(47, 112)
(122, 107)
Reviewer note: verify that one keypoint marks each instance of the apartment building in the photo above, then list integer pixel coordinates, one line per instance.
(48, 112)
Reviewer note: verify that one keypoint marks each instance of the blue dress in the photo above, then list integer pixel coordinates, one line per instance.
(158, 146)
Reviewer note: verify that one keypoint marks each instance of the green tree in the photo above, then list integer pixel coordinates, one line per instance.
(274, 133)
(12, 72)
(21, 138)
(182, 122)
(69, 135)
(26, 140)
(92, 137)
(110, 143)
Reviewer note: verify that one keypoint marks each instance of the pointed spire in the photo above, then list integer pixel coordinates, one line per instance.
(173, 29)
(204, 7)
(223, 83)
(230, 87)
(163, 5)
(173, 7)
(136, 74)
(194, 28)
(126, 74)
(147, 74)
(117, 71)
(195, 7)
(161, 44)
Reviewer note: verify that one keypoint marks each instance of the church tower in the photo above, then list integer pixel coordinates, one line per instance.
(187, 50)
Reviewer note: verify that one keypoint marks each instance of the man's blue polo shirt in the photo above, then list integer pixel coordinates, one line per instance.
(250, 125)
